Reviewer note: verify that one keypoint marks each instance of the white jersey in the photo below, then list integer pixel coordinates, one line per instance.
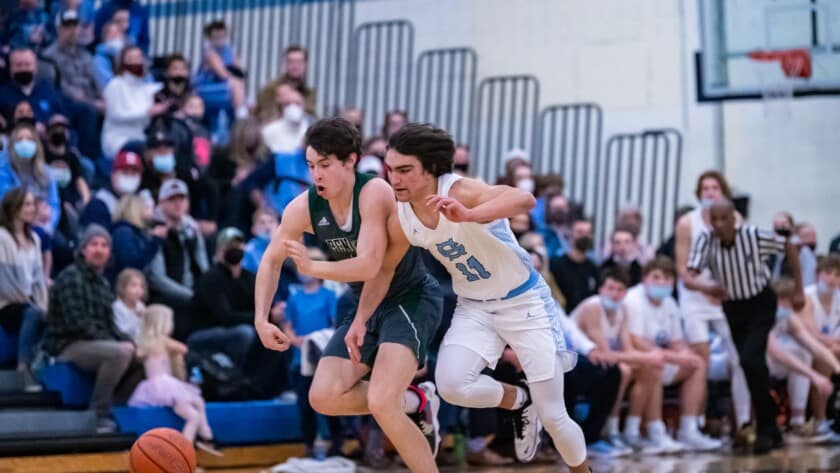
(828, 323)
(695, 303)
(612, 330)
(485, 260)
(660, 324)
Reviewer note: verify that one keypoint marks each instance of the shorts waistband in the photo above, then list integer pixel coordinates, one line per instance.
(533, 279)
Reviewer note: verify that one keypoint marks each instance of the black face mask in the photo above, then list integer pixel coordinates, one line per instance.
(136, 69)
(583, 244)
(557, 216)
(58, 138)
(464, 168)
(233, 256)
(785, 232)
(182, 82)
(24, 78)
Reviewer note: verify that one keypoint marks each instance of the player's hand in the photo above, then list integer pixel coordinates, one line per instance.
(822, 384)
(797, 300)
(690, 360)
(600, 358)
(453, 210)
(354, 339)
(655, 358)
(272, 337)
(298, 252)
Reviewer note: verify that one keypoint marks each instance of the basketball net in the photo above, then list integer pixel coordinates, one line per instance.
(777, 92)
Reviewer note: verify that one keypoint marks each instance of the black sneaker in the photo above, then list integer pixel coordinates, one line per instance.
(426, 417)
(526, 432)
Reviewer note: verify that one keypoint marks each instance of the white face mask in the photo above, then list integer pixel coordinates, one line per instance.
(293, 113)
(126, 184)
(526, 185)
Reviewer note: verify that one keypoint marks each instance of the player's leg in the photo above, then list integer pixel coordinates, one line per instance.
(627, 376)
(393, 371)
(819, 402)
(337, 388)
(741, 401)
(692, 400)
(696, 333)
(645, 401)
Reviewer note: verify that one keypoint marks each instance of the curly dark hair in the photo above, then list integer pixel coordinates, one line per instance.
(431, 145)
(335, 136)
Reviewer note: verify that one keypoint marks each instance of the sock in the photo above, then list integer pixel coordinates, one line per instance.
(631, 426)
(656, 428)
(612, 426)
(521, 398)
(797, 420)
(688, 424)
(701, 421)
(412, 400)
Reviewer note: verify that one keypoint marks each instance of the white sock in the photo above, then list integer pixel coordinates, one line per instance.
(688, 424)
(797, 420)
(612, 426)
(521, 398)
(701, 421)
(411, 402)
(631, 426)
(656, 428)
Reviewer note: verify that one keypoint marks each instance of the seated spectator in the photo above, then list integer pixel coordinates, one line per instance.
(311, 307)
(792, 350)
(65, 164)
(375, 146)
(221, 66)
(807, 236)
(576, 273)
(81, 90)
(264, 223)
(623, 254)
(160, 162)
(85, 10)
(295, 62)
(533, 243)
(23, 284)
(356, 116)
(371, 165)
(23, 164)
(286, 133)
(175, 271)
(126, 173)
(825, 296)
(557, 228)
(521, 224)
(176, 82)
(461, 158)
(223, 307)
(129, 304)
(193, 113)
(106, 56)
(654, 322)
(129, 103)
(80, 323)
(26, 26)
(134, 21)
(394, 120)
(277, 181)
(24, 86)
(134, 245)
(518, 168)
(42, 221)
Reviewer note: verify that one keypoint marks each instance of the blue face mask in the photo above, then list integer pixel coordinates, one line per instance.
(658, 291)
(823, 288)
(164, 163)
(706, 203)
(783, 312)
(264, 236)
(25, 149)
(610, 304)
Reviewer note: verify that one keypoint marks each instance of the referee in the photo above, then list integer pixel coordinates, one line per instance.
(737, 258)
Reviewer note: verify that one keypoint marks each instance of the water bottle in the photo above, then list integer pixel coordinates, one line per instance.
(459, 449)
(195, 376)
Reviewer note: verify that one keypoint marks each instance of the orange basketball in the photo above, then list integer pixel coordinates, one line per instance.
(162, 451)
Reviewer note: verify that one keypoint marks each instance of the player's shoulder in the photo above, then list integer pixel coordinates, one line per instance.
(684, 223)
(376, 188)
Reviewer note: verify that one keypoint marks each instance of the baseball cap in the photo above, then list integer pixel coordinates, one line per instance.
(370, 165)
(227, 235)
(158, 138)
(517, 153)
(128, 160)
(67, 17)
(172, 187)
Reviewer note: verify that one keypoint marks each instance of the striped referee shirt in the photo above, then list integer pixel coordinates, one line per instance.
(740, 268)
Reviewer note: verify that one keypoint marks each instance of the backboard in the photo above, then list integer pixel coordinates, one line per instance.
(734, 32)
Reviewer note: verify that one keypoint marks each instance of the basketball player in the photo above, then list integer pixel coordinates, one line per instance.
(501, 299)
(603, 319)
(350, 214)
(699, 310)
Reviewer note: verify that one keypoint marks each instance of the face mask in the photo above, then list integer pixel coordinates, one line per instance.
(785, 232)
(135, 69)
(233, 256)
(706, 203)
(264, 235)
(293, 113)
(658, 291)
(783, 312)
(812, 246)
(823, 289)
(609, 304)
(61, 176)
(583, 244)
(24, 78)
(178, 81)
(305, 278)
(164, 163)
(526, 185)
(557, 216)
(464, 168)
(25, 149)
(114, 46)
(58, 138)
(126, 184)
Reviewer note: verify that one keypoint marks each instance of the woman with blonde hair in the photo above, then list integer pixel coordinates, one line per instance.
(163, 360)
(23, 165)
(136, 237)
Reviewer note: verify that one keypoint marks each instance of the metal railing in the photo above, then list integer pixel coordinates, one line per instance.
(642, 169)
(505, 117)
(443, 91)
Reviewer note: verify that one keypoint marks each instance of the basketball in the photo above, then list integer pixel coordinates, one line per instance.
(162, 450)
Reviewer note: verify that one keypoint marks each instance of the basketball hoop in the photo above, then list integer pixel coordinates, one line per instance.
(777, 89)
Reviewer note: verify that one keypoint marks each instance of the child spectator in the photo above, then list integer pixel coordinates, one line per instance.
(264, 223)
(129, 306)
(163, 359)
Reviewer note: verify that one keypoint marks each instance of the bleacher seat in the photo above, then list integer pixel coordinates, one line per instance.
(75, 386)
(233, 423)
(8, 348)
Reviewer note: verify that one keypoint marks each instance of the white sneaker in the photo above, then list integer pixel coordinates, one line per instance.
(618, 445)
(824, 428)
(427, 420)
(636, 442)
(526, 432)
(603, 449)
(695, 440)
(665, 444)
(809, 433)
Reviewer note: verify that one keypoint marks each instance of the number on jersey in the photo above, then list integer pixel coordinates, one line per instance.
(473, 270)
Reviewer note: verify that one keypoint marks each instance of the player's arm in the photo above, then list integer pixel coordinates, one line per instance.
(682, 244)
(376, 204)
(629, 354)
(471, 200)
(295, 221)
(775, 350)
(698, 257)
(678, 353)
(800, 332)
